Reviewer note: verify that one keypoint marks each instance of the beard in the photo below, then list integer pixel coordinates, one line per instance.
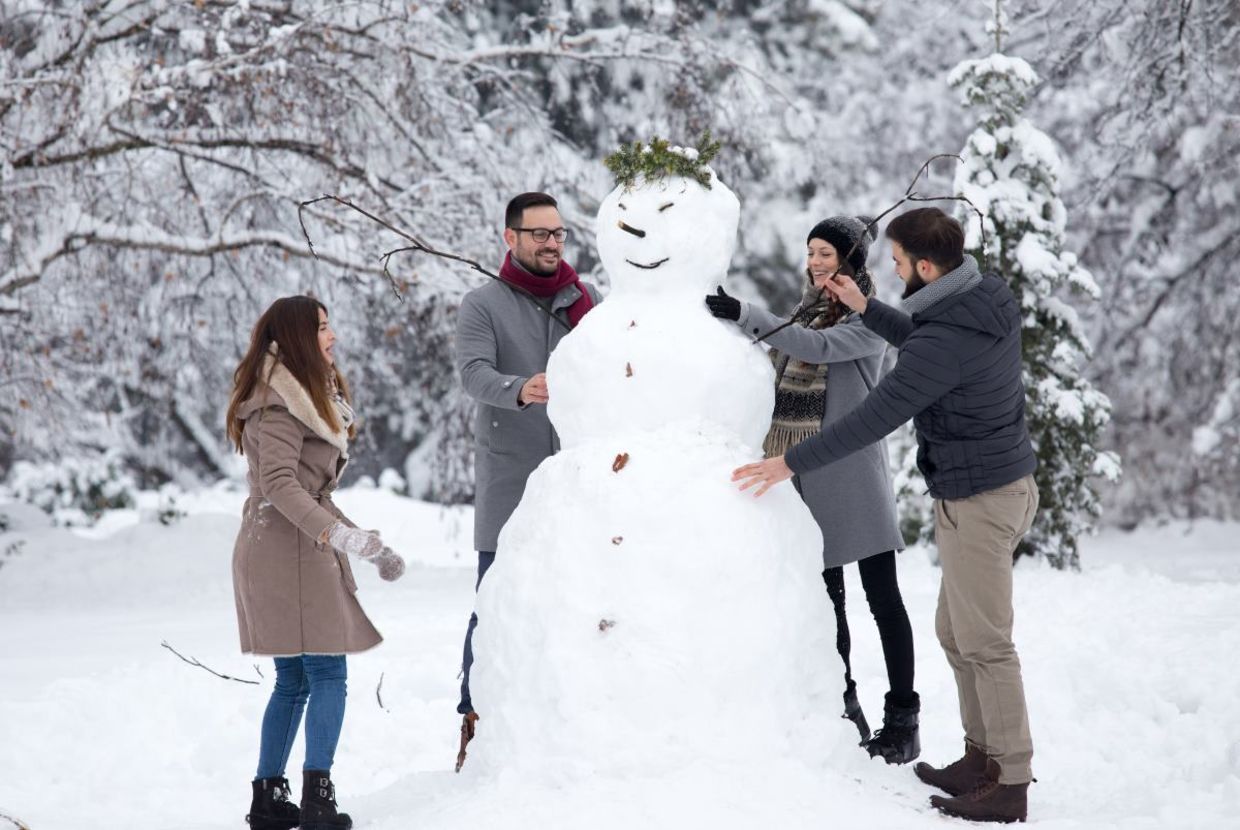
(535, 268)
(914, 284)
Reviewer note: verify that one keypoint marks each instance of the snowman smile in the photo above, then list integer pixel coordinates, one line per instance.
(648, 266)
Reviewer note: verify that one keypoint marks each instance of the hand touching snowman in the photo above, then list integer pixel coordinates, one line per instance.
(765, 473)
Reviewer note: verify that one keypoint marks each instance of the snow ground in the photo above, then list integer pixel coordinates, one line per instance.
(1130, 668)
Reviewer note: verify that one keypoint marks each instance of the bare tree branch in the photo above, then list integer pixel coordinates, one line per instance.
(909, 196)
(193, 661)
(419, 246)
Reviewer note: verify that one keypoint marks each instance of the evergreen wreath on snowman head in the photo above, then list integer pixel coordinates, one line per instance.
(660, 160)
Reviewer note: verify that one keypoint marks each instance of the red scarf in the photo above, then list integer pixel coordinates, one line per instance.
(513, 273)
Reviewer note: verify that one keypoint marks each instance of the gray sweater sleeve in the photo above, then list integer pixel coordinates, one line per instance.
(892, 324)
(927, 370)
(477, 355)
(841, 343)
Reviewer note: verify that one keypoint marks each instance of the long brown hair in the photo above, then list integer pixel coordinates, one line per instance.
(292, 323)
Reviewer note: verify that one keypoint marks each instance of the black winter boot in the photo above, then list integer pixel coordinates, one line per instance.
(270, 808)
(899, 741)
(318, 803)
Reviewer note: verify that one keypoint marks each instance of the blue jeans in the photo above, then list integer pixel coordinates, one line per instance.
(485, 558)
(319, 679)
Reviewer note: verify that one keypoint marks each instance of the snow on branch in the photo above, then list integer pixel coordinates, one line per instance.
(85, 230)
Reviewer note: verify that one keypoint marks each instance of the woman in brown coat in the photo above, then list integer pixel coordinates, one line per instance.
(296, 598)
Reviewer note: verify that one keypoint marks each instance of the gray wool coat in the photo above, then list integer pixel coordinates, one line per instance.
(852, 500)
(502, 340)
(294, 594)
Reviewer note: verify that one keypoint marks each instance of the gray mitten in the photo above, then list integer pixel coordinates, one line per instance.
(352, 541)
(391, 566)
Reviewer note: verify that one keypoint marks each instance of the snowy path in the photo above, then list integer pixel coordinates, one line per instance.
(1131, 669)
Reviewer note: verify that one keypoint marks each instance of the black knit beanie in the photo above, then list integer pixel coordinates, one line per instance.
(842, 232)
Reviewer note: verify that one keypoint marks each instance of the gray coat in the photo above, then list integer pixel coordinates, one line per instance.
(852, 500)
(502, 340)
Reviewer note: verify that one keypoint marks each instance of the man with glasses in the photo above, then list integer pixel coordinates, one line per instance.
(505, 333)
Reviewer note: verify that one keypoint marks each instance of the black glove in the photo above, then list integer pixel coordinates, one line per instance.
(723, 306)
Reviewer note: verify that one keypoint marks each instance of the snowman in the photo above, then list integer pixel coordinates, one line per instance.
(644, 614)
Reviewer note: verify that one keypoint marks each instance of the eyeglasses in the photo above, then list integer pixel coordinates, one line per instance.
(543, 234)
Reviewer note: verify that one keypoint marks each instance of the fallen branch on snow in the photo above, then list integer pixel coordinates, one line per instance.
(193, 661)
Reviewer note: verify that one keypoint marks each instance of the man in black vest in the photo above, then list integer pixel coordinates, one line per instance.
(958, 376)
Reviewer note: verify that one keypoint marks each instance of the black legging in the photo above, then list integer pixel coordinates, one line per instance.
(882, 592)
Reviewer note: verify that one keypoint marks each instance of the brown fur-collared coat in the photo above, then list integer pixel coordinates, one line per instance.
(294, 595)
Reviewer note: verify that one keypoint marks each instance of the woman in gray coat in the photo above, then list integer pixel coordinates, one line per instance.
(296, 598)
(825, 365)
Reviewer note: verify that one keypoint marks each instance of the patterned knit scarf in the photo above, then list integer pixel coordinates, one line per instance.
(800, 387)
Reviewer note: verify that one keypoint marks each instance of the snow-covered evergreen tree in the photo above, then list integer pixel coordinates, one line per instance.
(1011, 173)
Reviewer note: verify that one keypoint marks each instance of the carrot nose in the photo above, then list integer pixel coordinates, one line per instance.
(640, 234)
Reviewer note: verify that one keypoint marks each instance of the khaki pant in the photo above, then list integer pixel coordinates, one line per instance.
(976, 538)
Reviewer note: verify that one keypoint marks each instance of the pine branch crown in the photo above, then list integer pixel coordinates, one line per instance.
(660, 160)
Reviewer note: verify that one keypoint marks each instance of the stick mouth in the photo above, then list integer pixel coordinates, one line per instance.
(650, 266)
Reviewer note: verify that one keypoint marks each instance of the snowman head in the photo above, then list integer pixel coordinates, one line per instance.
(670, 224)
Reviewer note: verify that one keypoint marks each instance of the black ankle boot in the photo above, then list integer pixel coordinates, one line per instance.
(270, 808)
(318, 803)
(899, 741)
(852, 711)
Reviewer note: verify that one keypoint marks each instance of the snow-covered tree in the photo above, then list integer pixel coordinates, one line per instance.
(1010, 171)
(152, 156)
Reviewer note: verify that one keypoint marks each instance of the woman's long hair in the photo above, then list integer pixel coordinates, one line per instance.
(292, 323)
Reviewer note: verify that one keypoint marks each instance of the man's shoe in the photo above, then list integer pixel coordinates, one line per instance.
(958, 777)
(989, 800)
(469, 725)
(898, 741)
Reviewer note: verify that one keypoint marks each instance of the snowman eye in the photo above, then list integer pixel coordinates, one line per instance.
(622, 207)
(665, 206)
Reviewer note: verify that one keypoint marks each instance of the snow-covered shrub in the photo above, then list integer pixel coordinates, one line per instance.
(14, 548)
(915, 506)
(389, 479)
(168, 513)
(75, 491)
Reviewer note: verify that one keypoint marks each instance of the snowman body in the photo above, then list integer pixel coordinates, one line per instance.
(642, 613)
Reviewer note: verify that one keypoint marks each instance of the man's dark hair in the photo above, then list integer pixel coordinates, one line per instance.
(929, 233)
(516, 208)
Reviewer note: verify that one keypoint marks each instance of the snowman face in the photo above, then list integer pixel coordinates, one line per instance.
(668, 235)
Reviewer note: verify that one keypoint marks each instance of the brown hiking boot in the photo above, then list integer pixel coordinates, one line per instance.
(958, 777)
(989, 800)
(468, 726)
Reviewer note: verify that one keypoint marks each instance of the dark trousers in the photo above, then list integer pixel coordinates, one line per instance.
(485, 558)
(882, 592)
